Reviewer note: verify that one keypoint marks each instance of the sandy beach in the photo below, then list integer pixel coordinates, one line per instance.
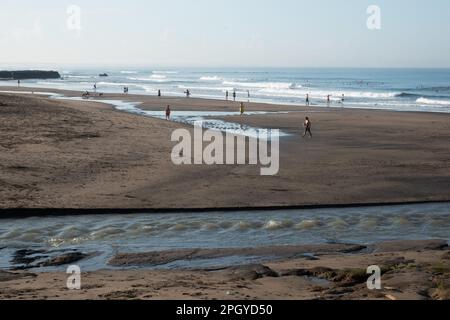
(72, 154)
(197, 155)
(87, 155)
(411, 270)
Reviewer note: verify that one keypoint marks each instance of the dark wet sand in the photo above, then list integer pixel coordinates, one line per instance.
(413, 270)
(67, 154)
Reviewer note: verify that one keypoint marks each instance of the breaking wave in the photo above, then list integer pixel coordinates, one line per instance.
(433, 102)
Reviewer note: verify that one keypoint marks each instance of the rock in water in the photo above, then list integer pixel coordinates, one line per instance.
(29, 75)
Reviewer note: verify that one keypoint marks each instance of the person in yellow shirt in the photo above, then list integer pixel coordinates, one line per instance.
(242, 108)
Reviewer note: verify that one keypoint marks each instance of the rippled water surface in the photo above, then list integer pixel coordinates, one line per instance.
(109, 234)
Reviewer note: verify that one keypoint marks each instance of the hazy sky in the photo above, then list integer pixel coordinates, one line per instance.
(217, 33)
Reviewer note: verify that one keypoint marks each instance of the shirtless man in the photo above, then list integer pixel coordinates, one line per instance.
(307, 126)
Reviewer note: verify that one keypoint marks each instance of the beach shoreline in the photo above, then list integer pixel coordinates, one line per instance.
(356, 157)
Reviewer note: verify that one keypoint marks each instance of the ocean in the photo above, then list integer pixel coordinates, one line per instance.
(423, 90)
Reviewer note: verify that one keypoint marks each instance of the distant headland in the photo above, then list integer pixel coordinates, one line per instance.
(29, 74)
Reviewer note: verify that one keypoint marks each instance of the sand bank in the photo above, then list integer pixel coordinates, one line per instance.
(71, 154)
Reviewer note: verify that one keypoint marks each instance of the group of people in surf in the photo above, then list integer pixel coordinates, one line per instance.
(234, 95)
(308, 101)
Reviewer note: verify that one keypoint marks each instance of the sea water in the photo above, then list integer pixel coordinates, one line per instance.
(426, 90)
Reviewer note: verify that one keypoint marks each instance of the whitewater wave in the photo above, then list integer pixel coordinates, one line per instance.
(433, 102)
(79, 77)
(203, 88)
(262, 85)
(165, 72)
(210, 78)
(129, 72)
(153, 78)
(113, 84)
(320, 94)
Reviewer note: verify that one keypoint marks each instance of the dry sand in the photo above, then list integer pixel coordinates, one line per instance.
(68, 154)
(416, 270)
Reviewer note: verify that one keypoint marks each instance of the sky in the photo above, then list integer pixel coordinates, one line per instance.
(224, 33)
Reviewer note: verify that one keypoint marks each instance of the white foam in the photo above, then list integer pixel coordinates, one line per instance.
(261, 85)
(221, 89)
(153, 78)
(80, 77)
(114, 84)
(211, 78)
(320, 94)
(433, 101)
(128, 72)
(165, 72)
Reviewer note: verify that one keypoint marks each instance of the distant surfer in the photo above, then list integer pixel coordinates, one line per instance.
(226, 95)
(234, 95)
(307, 100)
(18, 83)
(328, 100)
(159, 93)
(188, 93)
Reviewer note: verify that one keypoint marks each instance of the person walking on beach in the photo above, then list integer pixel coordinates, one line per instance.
(328, 100)
(234, 95)
(86, 95)
(226, 95)
(95, 87)
(168, 112)
(343, 99)
(18, 83)
(307, 126)
(242, 109)
(307, 100)
(159, 93)
(188, 93)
